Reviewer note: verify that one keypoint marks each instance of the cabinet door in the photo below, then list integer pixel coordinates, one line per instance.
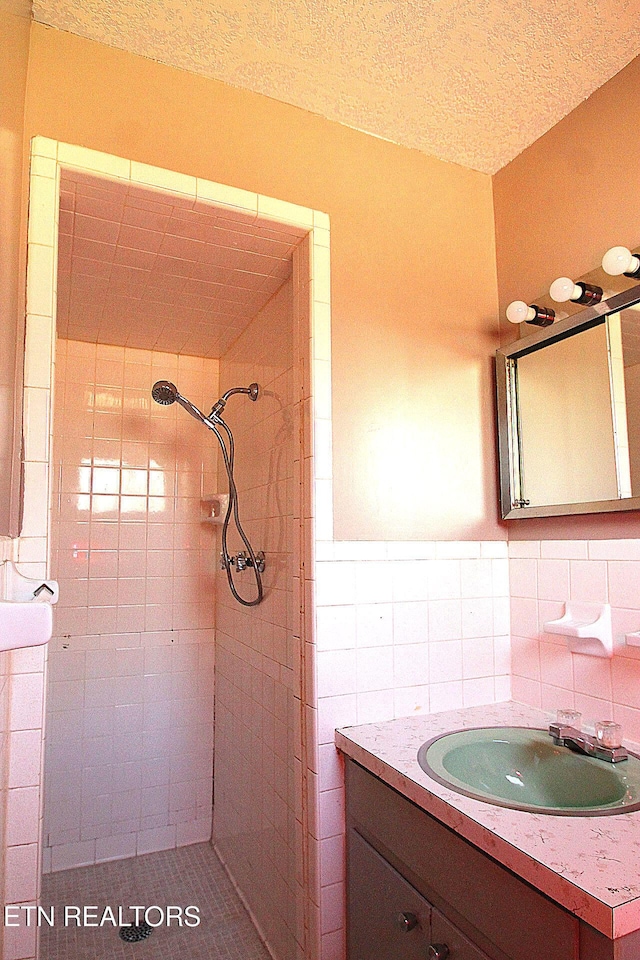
(454, 944)
(387, 918)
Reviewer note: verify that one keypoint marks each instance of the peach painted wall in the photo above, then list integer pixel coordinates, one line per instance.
(410, 330)
(558, 206)
(132, 654)
(256, 813)
(14, 43)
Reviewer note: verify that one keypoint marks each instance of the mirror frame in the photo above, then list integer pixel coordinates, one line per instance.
(509, 454)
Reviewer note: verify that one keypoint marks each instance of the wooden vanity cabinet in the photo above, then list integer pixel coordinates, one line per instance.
(415, 890)
(389, 919)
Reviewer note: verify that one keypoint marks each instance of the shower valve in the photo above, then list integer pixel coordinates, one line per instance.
(242, 561)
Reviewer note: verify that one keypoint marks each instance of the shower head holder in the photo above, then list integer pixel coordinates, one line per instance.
(252, 391)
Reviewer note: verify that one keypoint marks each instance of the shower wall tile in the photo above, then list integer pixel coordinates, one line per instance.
(258, 707)
(130, 688)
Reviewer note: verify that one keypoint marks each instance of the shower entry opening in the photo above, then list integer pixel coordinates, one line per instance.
(128, 769)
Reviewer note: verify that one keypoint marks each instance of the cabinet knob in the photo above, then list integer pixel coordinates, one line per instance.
(407, 921)
(438, 951)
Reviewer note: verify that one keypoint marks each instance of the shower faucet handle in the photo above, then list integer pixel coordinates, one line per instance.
(242, 561)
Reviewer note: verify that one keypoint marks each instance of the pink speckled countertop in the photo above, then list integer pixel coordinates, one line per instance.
(589, 865)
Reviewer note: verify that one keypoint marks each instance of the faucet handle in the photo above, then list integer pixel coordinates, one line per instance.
(608, 734)
(569, 718)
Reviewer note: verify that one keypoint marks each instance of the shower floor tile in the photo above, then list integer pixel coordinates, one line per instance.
(186, 876)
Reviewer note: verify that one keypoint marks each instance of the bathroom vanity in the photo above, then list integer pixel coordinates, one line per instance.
(432, 873)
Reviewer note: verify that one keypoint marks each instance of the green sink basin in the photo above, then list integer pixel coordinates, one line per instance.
(523, 769)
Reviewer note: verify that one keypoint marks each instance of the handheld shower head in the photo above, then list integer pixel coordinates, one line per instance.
(164, 392)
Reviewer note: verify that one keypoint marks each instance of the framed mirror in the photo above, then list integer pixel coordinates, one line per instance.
(569, 414)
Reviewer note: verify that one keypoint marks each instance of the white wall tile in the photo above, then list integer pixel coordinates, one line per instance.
(335, 583)
(477, 617)
(478, 691)
(545, 672)
(445, 661)
(375, 706)
(445, 696)
(476, 578)
(445, 620)
(374, 624)
(411, 549)
(374, 582)
(524, 548)
(374, 669)
(410, 622)
(564, 549)
(502, 687)
(411, 665)
(444, 579)
(335, 628)
(588, 580)
(477, 658)
(553, 579)
(624, 583)
(523, 578)
(411, 701)
(614, 549)
(411, 579)
(335, 712)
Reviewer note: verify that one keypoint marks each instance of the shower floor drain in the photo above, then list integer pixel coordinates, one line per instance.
(136, 932)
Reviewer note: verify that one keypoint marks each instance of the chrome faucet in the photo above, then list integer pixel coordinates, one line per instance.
(567, 736)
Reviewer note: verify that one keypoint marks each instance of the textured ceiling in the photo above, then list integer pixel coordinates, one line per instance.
(469, 81)
(143, 268)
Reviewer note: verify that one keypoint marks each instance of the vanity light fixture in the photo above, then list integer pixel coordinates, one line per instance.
(564, 289)
(520, 312)
(619, 261)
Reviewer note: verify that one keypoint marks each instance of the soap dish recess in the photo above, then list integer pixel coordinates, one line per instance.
(216, 505)
(587, 627)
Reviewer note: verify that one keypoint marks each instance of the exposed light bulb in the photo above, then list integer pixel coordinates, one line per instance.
(619, 261)
(520, 312)
(564, 289)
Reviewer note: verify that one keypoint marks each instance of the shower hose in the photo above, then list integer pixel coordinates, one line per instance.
(216, 421)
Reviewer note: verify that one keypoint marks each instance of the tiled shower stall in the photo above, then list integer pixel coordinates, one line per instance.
(131, 684)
